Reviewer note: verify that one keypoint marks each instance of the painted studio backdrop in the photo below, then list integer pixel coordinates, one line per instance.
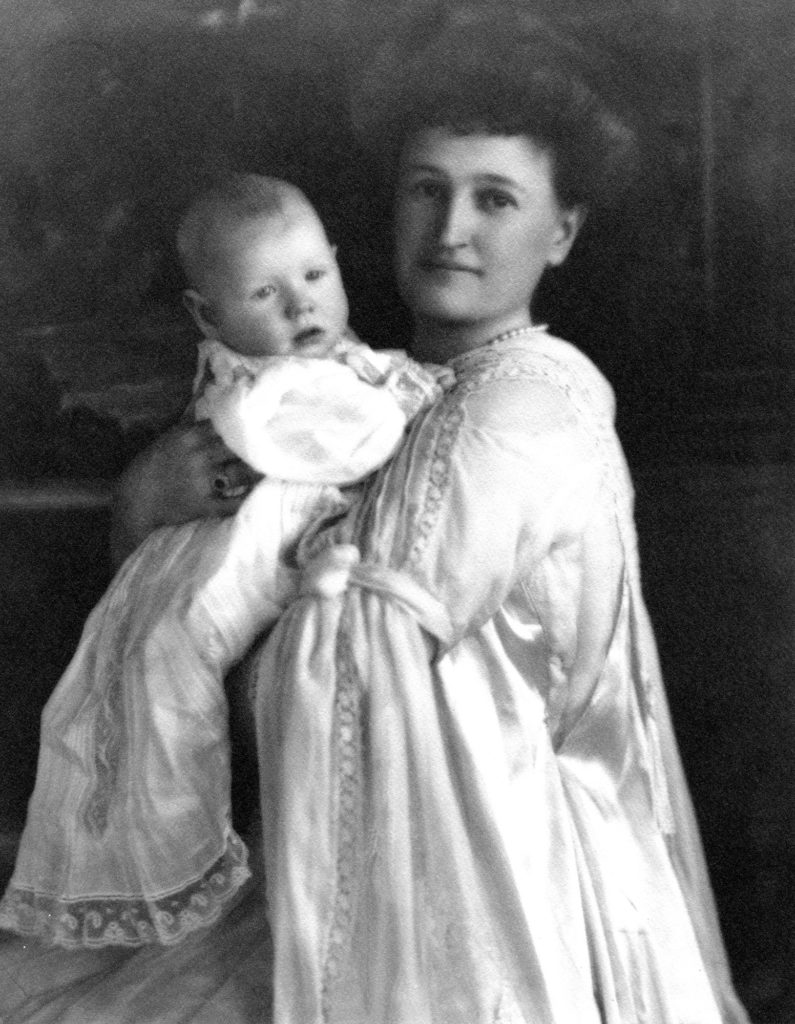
(108, 112)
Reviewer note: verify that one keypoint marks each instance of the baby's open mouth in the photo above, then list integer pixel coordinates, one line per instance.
(308, 335)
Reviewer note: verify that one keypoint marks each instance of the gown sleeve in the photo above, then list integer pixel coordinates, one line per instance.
(312, 421)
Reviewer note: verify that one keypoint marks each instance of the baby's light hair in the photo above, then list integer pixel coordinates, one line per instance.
(227, 200)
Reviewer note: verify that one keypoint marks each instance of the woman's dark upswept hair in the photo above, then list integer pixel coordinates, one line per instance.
(500, 76)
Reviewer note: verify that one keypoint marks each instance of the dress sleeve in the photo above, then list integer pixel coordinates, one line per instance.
(311, 421)
(492, 485)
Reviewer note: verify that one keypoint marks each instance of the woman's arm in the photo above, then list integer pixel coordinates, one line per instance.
(172, 482)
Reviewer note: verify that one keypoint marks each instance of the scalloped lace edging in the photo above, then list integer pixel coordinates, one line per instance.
(98, 921)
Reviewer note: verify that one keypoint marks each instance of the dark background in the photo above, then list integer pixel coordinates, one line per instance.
(107, 114)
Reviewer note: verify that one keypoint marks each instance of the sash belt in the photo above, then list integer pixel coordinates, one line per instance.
(338, 567)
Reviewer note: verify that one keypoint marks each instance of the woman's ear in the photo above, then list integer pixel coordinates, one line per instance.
(569, 224)
(199, 308)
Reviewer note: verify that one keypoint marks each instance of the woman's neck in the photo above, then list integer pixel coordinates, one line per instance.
(439, 342)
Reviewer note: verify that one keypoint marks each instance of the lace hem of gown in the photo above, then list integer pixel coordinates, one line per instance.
(99, 921)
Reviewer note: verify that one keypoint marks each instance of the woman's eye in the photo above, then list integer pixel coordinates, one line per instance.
(426, 189)
(264, 292)
(495, 200)
(316, 274)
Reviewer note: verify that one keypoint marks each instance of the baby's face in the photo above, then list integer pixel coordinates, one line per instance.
(276, 289)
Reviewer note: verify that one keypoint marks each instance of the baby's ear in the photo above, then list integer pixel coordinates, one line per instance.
(334, 251)
(199, 308)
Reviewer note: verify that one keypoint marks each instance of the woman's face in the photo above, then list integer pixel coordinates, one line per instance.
(477, 221)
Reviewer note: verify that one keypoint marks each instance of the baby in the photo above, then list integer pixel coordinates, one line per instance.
(129, 838)
(265, 283)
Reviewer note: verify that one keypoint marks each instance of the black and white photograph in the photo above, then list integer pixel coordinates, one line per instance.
(396, 493)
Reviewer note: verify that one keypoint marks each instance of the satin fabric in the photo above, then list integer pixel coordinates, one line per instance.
(472, 802)
(129, 838)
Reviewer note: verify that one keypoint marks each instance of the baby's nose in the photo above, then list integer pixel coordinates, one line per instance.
(299, 301)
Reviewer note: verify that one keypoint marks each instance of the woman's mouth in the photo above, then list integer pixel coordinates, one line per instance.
(451, 266)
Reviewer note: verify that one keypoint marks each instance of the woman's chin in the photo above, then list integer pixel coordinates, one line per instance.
(444, 310)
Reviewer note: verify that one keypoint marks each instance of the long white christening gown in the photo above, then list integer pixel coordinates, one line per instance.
(129, 837)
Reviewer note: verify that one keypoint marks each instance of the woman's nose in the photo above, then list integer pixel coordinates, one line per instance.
(455, 223)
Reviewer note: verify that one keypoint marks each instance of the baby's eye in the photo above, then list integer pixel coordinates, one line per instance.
(264, 292)
(316, 274)
(494, 199)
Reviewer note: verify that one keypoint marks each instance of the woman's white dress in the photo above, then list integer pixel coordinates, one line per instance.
(473, 806)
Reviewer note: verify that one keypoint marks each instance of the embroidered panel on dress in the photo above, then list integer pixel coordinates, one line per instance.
(111, 648)
(108, 731)
(348, 748)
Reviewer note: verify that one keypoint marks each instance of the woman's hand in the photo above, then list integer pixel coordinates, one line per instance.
(188, 473)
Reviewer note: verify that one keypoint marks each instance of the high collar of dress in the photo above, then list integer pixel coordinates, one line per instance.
(517, 334)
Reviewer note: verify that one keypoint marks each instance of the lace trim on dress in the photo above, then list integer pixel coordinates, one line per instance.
(347, 740)
(126, 921)
(439, 475)
(472, 371)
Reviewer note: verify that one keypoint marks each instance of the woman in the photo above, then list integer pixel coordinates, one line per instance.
(472, 801)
